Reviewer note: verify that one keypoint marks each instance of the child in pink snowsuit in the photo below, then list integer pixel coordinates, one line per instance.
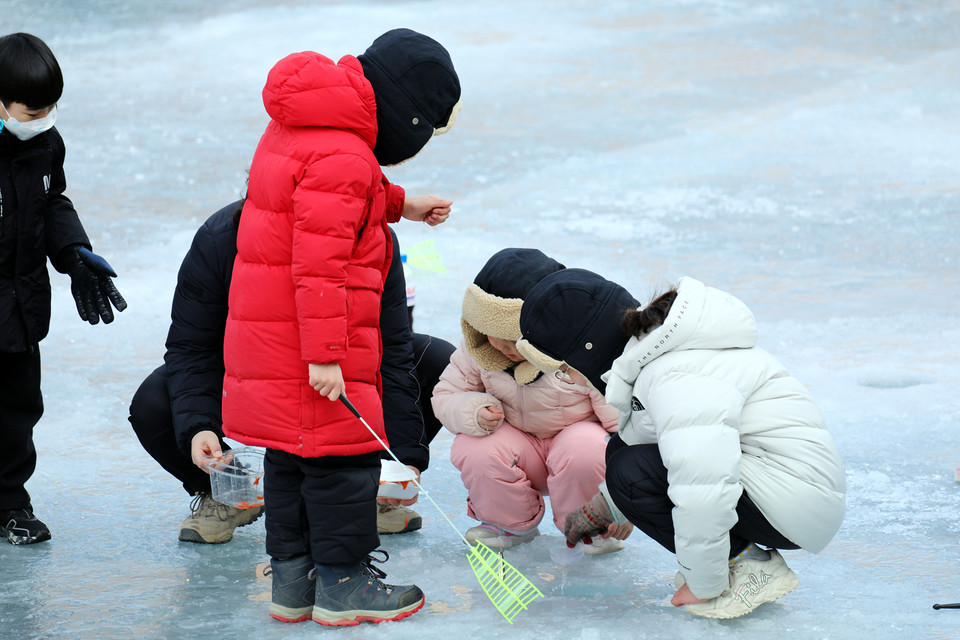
(521, 435)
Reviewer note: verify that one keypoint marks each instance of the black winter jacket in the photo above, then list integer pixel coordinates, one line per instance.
(36, 222)
(194, 357)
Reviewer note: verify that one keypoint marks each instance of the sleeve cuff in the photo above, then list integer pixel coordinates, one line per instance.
(618, 516)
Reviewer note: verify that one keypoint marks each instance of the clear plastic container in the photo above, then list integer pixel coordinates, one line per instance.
(236, 480)
(396, 481)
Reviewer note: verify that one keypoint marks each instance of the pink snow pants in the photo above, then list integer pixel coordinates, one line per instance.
(508, 472)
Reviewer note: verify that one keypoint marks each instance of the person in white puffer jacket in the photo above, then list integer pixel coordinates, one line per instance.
(719, 449)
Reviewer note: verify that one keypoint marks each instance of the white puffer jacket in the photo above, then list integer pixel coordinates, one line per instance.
(541, 408)
(727, 417)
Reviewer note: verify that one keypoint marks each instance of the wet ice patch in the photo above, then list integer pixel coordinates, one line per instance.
(565, 555)
(893, 380)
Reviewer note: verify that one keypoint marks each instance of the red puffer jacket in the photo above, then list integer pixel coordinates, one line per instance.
(312, 253)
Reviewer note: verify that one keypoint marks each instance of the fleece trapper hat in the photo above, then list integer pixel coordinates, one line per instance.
(492, 304)
(417, 92)
(573, 317)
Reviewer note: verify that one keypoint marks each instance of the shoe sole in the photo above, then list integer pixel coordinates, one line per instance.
(192, 535)
(502, 542)
(253, 519)
(411, 525)
(286, 614)
(351, 618)
(18, 540)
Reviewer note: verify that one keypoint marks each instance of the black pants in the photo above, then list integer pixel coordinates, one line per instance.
(21, 405)
(152, 421)
(430, 357)
(637, 482)
(325, 507)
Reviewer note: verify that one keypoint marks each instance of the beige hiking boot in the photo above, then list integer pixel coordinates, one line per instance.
(397, 519)
(212, 522)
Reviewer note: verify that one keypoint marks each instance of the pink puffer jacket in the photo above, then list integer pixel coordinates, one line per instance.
(541, 408)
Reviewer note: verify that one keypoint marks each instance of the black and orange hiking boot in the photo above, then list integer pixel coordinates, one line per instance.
(351, 594)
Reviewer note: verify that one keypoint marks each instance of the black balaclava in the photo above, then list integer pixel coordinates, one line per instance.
(416, 89)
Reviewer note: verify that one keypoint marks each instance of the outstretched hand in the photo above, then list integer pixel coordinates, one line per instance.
(430, 209)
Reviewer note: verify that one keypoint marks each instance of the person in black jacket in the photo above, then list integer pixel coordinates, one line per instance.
(176, 411)
(37, 221)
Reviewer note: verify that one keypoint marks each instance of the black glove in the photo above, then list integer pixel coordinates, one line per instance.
(587, 520)
(92, 286)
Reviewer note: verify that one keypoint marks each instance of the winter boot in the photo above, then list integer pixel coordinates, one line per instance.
(20, 526)
(213, 522)
(752, 582)
(350, 594)
(293, 589)
(397, 519)
(497, 538)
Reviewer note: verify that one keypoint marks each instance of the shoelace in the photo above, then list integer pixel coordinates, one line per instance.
(376, 574)
(204, 505)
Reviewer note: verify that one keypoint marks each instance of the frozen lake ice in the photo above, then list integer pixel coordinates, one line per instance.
(802, 156)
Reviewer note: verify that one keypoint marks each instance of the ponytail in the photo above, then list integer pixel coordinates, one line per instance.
(639, 322)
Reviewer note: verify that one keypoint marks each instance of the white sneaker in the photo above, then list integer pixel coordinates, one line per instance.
(752, 582)
(600, 546)
(497, 538)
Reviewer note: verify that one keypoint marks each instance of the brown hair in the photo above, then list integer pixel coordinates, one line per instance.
(638, 322)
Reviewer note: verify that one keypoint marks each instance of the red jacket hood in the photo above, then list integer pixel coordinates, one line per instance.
(308, 89)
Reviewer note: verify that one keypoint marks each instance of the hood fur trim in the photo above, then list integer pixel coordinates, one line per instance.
(537, 358)
(492, 315)
(485, 315)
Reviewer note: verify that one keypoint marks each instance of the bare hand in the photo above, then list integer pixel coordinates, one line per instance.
(489, 418)
(408, 501)
(327, 379)
(685, 596)
(618, 531)
(204, 449)
(430, 209)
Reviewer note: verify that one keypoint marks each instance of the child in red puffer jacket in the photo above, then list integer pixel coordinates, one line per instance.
(313, 250)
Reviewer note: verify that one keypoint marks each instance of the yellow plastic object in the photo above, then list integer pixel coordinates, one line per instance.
(425, 256)
(508, 589)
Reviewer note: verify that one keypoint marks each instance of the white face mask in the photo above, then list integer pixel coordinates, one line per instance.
(30, 128)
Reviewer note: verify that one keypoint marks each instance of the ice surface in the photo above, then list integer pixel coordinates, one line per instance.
(803, 156)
